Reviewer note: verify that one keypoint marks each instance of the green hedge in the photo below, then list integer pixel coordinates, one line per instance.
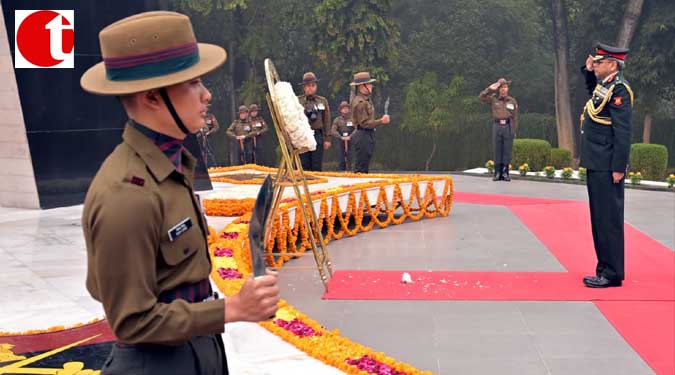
(535, 152)
(561, 158)
(649, 159)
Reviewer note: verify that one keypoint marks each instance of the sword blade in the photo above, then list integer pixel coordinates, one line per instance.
(386, 106)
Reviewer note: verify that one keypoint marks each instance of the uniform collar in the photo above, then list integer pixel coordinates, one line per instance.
(157, 162)
(364, 96)
(610, 77)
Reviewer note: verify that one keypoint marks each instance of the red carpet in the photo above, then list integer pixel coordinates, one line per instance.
(642, 311)
(490, 286)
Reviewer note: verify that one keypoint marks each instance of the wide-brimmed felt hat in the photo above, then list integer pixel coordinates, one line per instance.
(362, 78)
(148, 51)
(308, 78)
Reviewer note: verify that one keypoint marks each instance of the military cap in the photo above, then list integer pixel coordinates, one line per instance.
(343, 104)
(362, 78)
(605, 51)
(243, 108)
(253, 108)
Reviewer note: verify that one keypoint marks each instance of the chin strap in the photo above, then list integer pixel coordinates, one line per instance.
(172, 110)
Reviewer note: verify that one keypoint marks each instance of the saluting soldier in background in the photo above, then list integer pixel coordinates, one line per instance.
(605, 153)
(145, 233)
(258, 127)
(363, 116)
(317, 111)
(342, 130)
(242, 134)
(504, 110)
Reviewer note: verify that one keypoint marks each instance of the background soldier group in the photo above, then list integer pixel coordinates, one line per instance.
(245, 132)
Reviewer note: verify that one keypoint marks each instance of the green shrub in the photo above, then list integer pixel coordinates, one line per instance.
(649, 159)
(535, 152)
(561, 158)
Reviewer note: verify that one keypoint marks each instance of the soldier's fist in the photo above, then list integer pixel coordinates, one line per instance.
(385, 119)
(257, 300)
(326, 145)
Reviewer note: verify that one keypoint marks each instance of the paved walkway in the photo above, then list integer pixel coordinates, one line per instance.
(42, 270)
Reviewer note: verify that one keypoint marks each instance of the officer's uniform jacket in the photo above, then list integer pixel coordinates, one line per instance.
(606, 124)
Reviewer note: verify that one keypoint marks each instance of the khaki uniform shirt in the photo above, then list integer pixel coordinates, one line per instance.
(258, 125)
(363, 112)
(502, 108)
(342, 127)
(134, 201)
(320, 104)
(239, 128)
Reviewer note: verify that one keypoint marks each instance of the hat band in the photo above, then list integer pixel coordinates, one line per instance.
(153, 64)
(362, 80)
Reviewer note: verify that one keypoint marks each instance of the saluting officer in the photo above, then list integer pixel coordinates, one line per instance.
(342, 130)
(505, 123)
(146, 236)
(318, 114)
(605, 152)
(242, 135)
(363, 116)
(258, 127)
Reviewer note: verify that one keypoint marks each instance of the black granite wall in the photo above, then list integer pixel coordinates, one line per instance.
(69, 131)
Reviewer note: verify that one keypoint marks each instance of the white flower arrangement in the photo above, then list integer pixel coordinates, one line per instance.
(293, 114)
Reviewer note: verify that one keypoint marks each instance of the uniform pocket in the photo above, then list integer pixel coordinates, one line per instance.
(183, 247)
(596, 138)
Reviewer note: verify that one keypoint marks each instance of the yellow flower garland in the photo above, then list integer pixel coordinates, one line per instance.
(327, 346)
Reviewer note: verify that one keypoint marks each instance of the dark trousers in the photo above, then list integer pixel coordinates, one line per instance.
(203, 355)
(312, 160)
(363, 143)
(502, 141)
(242, 155)
(344, 153)
(606, 202)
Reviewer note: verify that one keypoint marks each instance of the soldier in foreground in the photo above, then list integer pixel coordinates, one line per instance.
(146, 236)
(605, 153)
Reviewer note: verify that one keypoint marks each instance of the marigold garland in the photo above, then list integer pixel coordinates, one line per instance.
(50, 329)
(293, 326)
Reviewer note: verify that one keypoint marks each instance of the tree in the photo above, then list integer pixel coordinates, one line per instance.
(431, 108)
(563, 108)
(630, 22)
(354, 35)
(653, 73)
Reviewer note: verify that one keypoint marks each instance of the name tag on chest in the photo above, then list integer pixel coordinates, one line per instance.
(180, 228)
(320, 107)
(510, 106)
(350, 124)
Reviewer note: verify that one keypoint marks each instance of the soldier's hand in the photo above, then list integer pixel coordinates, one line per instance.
(494, 86)
(385, 119)
(241, 137)
(589, 63)
(326, 145)
(347, 138)
(257, 300)
(617, 176)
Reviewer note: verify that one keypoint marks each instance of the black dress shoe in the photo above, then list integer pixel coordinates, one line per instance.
(498, 172)
(505, 174)
(600, 282)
